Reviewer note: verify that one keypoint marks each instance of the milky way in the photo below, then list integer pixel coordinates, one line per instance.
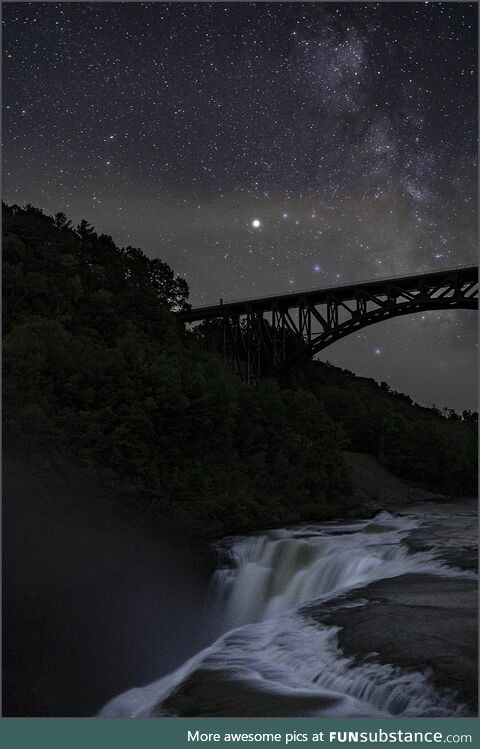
(261, 148)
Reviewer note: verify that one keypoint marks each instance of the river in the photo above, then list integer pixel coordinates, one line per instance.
(364, 617)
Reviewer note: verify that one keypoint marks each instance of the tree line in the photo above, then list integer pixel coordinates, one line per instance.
(97, 367)
(99, 370)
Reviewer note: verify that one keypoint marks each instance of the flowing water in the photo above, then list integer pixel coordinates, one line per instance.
(274, 656)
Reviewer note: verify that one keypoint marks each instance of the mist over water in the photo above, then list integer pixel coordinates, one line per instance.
(91, 602)
(273, 657)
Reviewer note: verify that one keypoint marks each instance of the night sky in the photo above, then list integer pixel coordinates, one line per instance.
(261, 148)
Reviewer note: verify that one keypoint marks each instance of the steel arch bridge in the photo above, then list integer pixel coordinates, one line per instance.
(272, 335)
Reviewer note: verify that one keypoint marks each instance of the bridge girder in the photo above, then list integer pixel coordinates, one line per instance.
(271, 336)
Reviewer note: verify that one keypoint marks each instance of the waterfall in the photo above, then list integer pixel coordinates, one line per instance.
(273, 658)
(273, 572)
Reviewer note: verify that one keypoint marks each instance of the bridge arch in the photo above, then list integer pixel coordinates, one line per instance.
(311, 349)
(273, 335)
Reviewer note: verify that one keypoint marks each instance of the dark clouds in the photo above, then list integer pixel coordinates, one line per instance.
(348, 131)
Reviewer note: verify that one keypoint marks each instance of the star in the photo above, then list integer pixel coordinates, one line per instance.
(326, 132)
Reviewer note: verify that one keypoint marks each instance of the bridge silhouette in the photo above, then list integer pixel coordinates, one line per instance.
(271, 335)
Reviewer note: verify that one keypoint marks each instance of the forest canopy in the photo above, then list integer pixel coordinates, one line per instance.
(99, 369)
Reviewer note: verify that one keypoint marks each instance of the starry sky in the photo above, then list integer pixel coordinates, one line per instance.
(263, 147)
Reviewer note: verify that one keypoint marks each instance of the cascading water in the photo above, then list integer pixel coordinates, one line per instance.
(282, 569)
(274, 658)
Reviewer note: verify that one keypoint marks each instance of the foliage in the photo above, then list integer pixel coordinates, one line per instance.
(97, 367)
(430, 447)
(433, 448)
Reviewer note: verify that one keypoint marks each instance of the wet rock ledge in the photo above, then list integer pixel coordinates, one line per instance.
(419, 622)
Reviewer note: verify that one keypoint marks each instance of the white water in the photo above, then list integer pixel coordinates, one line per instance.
(273, 659)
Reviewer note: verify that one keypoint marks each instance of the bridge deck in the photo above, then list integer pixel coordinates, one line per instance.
(315, 296)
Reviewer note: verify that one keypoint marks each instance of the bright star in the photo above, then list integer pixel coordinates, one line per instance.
(255, 223)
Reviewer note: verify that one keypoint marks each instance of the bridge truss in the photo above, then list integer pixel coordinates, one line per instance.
(270, 336)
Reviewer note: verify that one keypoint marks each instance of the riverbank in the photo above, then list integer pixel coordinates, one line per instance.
(372, 489)
(375, 488)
